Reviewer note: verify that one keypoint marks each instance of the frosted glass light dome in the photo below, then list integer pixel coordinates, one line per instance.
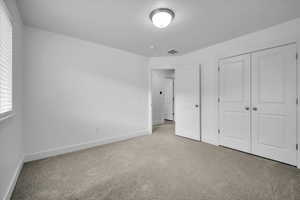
(162, 17)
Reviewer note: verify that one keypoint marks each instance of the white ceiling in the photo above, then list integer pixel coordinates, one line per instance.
(124, 24)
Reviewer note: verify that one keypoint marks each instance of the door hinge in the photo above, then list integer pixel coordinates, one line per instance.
(218, 69)
(297, 101)
(297, 147)
(218, 131)
(296, 56)
(218, 99)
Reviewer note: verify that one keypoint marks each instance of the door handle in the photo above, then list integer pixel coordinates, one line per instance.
(247, 108)
(254, 109)
(197, 106)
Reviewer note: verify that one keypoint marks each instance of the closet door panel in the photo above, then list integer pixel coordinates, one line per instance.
(274, 104)
(234, 105)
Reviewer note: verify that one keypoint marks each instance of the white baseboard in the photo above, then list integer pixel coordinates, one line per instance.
(209, 141)
(78, 147)
(156, 123)
(14, 179)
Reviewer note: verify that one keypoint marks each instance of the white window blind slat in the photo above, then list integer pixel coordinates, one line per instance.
(5, 62)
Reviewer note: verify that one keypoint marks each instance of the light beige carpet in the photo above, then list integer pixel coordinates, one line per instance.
(158, 167)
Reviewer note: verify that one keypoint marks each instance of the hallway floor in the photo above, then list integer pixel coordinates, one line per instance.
(157, 167)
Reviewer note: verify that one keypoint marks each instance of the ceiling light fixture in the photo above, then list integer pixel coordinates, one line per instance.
(162, 17)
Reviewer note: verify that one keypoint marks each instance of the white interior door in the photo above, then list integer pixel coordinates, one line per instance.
(187, 104)
(169, 99)
(274, 104)
(234, 103)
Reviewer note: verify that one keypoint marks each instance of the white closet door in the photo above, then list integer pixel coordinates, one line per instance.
(234, 105)
(274, 104)
(187, 104)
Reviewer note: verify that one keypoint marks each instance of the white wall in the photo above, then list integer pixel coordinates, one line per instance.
(208, 58)
(158, 84)
(11, 147)
(80, 94)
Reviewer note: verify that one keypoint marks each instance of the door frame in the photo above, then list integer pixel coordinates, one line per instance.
(170, 67)
(150, 70)
(297, 92)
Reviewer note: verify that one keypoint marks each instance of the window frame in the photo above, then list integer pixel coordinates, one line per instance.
(10, 113)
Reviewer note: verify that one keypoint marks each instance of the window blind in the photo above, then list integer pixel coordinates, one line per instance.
(5, 62)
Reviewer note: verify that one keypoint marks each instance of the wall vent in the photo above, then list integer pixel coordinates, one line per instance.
(172, 52)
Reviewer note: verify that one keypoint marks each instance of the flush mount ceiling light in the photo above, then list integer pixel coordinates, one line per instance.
(162, 17)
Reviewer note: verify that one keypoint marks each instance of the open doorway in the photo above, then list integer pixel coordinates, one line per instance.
(163, 98)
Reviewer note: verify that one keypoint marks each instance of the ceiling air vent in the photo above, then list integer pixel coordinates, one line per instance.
(172, 52)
